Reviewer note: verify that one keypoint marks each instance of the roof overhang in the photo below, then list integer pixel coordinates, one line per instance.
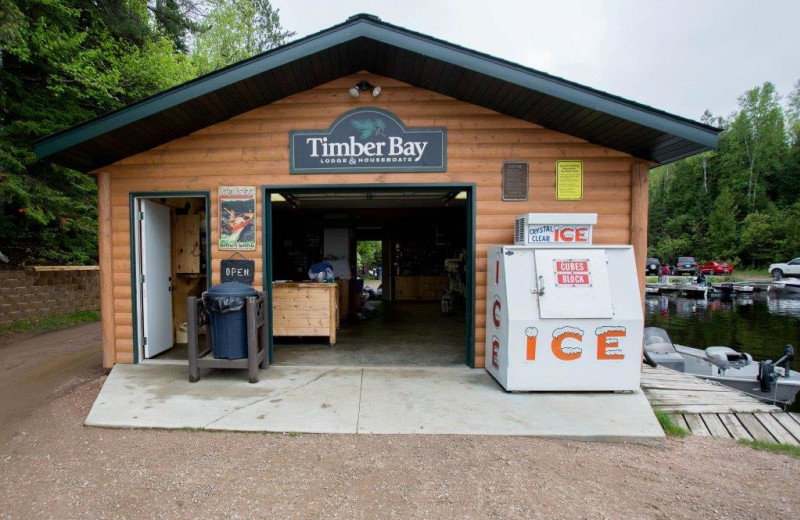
(364, 42)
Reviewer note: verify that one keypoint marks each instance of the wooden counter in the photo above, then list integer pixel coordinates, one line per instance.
(305, 309)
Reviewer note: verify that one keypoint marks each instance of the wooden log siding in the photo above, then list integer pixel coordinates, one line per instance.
(108, 279)
(252, 149)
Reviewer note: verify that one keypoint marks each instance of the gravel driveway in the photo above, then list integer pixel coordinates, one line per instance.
(53, 467)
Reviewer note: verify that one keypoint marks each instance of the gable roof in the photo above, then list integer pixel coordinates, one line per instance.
(364, 42)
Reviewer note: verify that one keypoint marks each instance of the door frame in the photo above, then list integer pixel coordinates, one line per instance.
(138, 354)
(470, 223)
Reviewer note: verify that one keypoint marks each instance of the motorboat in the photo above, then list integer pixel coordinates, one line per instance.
(768, 381)
(791, 285)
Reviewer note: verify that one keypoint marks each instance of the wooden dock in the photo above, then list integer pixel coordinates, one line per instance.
(707, 408)
(683, 289)
(690, 289)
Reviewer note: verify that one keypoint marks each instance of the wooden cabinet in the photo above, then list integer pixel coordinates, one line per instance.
(420, 288)
(305, 309)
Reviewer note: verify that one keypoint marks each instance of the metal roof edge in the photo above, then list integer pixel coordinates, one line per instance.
(548, 84)
(189, 90)
(370, 26)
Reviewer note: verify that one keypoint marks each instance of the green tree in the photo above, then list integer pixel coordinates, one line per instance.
(368, 254)
(793, 113)
(758, 239)
(671, 248)
(791, 183)
(790, 232)
(739, 201)
(63, 63)
(176, 19)
(760, 127)
(722, 226)
(234, 30)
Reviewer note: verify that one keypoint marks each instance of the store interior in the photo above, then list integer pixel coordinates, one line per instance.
(401, 295)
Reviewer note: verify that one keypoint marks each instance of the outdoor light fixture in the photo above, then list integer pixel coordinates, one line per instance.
(363, 86)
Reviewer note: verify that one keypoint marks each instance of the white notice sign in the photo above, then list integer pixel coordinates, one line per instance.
(560, 234)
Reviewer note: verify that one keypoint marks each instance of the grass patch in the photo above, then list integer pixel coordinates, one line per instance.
(751, 275)
(52, 323)
(668, 425)
(774, 447)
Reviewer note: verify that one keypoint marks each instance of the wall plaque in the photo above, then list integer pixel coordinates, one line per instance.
(515, 181)
(368, 140)
(569, 180)
(237, 271)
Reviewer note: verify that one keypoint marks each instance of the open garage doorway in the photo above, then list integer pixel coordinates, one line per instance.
(401, 259)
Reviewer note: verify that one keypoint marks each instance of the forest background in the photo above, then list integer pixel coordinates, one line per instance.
(64, 62)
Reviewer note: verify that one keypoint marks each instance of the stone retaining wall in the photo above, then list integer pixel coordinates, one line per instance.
(27, 294)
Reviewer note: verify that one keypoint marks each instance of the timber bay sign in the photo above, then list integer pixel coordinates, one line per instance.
(368, 140)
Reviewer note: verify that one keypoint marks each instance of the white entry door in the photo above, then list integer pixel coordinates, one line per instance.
(155, 281)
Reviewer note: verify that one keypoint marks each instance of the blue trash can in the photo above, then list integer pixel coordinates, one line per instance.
(226, 307)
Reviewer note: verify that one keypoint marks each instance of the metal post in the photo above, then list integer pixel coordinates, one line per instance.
(252, 339)
(191, 322)
(264, 331)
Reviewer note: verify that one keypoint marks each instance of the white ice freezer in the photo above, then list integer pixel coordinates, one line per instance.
(563, 318)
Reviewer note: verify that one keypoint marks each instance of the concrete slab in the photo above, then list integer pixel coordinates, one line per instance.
(462, 400)
(307, 399)
(376, 400)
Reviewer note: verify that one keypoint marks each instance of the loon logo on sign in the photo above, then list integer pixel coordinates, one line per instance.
(368, 140)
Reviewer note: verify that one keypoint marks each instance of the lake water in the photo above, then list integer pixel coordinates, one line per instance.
(760, 324)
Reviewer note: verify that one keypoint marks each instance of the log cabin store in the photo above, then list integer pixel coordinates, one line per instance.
(358, 176)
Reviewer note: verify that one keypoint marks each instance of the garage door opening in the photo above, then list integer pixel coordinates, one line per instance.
(400, 259)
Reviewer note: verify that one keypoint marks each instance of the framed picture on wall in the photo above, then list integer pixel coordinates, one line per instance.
(237, 218)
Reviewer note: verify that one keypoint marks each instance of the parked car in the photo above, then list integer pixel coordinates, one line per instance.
(652, 267)
(791, 268)
(685, 265)
(715, 267)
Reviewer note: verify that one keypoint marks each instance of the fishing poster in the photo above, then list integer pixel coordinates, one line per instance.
(237, 218)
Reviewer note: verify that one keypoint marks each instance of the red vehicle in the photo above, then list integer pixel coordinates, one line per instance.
(715, 267)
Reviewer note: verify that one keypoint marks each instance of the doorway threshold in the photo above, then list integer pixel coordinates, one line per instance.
(173, 362)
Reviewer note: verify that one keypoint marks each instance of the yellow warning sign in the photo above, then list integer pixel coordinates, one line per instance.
(569, 180)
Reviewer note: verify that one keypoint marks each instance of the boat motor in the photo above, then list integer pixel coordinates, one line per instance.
(766, 372)
(786, 361)
(766, 375)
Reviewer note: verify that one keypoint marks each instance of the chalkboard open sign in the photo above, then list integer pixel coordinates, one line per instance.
(242, 271)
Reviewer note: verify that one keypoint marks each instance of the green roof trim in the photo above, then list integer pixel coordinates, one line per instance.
(184, 92)
(655, 135)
